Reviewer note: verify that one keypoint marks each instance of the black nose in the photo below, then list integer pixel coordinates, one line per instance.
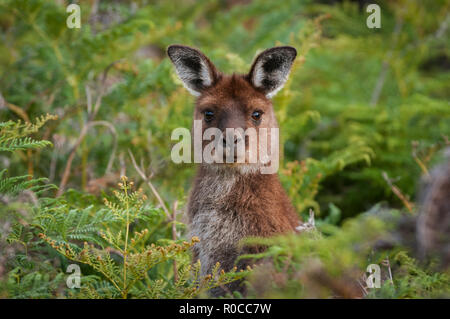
(237, 139)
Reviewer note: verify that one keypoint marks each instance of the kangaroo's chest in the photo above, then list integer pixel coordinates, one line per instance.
(218, 226)
(218, 239)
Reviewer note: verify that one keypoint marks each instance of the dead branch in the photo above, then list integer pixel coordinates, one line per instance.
(140, 171)
(92, 112)
(398, 192)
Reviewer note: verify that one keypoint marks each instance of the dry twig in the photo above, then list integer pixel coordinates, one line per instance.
(92, 112)
(398, 193)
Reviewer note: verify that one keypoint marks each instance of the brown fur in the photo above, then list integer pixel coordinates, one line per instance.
(229, 202)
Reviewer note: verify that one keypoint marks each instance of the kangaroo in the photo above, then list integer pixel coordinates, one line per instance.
(230, 201)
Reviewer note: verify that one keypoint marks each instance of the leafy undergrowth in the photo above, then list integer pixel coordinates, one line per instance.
(364, 118)
(332, 262)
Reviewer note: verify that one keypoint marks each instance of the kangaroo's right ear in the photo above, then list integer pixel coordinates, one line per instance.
(271, 68)
(194, 69)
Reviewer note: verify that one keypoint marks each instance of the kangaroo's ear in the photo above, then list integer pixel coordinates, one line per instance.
(271, 68)
(194, 69)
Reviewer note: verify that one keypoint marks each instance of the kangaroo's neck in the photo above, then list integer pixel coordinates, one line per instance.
(250, 200)
(246, 175)
(231, 187)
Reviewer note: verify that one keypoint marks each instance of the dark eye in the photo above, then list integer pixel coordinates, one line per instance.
(256, 115)
(209, 115)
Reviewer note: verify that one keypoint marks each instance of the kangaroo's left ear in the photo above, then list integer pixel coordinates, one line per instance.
(271, 68)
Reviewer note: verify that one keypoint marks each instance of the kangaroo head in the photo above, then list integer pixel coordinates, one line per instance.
(234, 105)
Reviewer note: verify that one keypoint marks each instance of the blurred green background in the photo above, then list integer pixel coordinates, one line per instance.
(357, 100)
(363, 117)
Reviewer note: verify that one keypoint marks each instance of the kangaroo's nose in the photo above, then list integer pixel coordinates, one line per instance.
(237, 139)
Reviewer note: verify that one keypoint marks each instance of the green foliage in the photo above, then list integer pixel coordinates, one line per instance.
(414, 281)
(115, 92)
(23, 280)
(325, 111)
(15, 185)
(121, 263)
(107, 232)
(331, 261)
(14, 135)
(324, 261)
(32, 285)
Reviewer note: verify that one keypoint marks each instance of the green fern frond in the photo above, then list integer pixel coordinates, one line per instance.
(15, 135)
